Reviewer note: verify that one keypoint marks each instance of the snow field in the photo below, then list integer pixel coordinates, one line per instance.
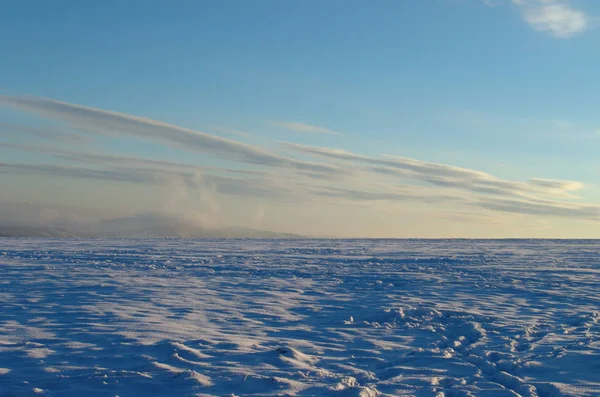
(302, 318)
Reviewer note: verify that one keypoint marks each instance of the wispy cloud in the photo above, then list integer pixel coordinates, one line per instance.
(113, 160)
(405, 193)
(554, 17)
(538, 196)
(258, 187)
(229, 130)
(131, 169)
(339, 175)
(554, 184)
(53, 170)
(301, 127)
(46, 133)
(542, 208)
(101, 121)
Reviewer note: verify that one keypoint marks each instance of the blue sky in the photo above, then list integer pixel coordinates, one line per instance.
(505, 88)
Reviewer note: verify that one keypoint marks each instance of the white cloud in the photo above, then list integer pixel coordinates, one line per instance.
(301, 127)
(340, 176)
(554, 17)
(122, 161)
(46, 133)
(229, 130)
(99, 121)
(556, 184)
(536, 196)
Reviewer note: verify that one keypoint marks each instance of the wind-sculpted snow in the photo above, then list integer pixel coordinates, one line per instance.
(302, 318)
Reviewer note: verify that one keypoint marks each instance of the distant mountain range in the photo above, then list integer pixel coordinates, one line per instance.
(139, 226)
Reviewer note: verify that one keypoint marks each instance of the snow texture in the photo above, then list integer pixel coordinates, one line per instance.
(299, 318)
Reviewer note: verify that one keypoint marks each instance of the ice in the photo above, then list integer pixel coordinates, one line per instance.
(163, 317)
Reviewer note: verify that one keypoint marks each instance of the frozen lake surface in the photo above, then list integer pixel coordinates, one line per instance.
(299, 318)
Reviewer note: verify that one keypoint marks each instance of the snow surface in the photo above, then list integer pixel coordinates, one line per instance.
(303, 317)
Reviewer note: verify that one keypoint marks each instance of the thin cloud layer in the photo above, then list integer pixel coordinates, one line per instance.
(301, 127)
(445, 175)
(542, 208)
(500, 195)
(108, 122)
(128, 169)
(402, 194)
(46, 133)
(53, 170)
(340, 176)
(393, 162)
(257, 187)
(556, 184)
(229, 130)
(111, 160)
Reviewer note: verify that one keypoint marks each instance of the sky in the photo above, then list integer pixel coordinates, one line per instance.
(345, 118)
